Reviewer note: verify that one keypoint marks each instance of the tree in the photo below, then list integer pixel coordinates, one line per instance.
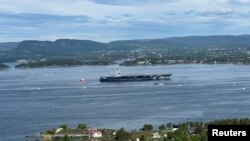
(122, 135)
(169, 125)
(51, 132)
(162, 127)
(64, 126)
(81, 126)
(147, 127)
(142, 138)
(183, 127)
(66, 138)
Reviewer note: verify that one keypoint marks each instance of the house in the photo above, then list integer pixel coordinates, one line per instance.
(175, 127)
(22, 61)
(191, 130)
(94, 132)
(97, 134)
(91, 130)
(156, 135)
(58, 130)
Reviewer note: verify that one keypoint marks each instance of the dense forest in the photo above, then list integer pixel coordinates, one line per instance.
(63, 63)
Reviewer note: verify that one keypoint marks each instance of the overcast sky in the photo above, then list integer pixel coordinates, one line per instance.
(107, 20)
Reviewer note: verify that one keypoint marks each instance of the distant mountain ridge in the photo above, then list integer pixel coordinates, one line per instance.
(73, 46)
(60, 46)
(220, 41)
(6, 46)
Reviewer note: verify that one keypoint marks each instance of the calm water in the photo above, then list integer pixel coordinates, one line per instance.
(32, 100)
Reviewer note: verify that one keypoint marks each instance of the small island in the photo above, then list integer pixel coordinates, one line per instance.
(3, 66)
(190, 131)
(61, 63)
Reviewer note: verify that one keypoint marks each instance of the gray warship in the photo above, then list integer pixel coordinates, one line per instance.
(117, 77)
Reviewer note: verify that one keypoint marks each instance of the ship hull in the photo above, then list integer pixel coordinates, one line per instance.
(124, 78)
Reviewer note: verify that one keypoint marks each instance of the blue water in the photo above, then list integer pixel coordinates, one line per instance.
(33, 100)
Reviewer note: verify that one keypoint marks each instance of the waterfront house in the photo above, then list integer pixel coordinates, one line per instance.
(156, 135)
(94, 132)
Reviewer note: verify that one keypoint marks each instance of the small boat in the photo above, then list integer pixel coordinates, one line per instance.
(82, 80)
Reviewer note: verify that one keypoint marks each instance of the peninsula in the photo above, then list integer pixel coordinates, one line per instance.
(3, 66)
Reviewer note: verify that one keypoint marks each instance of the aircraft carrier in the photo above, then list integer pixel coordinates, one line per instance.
(117, 77)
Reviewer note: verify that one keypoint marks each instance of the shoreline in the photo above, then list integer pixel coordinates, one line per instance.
(193, 130)
(3, 66)
(58, 66)
(71, 66)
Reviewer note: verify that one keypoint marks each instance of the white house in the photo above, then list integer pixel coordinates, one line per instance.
(97, 134)
(156, 135)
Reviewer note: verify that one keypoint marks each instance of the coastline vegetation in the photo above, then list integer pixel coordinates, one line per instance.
(146, 57)
(189, 56)
(3, 66)
(189, 131)
(178, 50)
(63, 62)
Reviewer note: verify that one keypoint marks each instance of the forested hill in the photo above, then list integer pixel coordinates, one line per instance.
(3, 66)
(92, 50)
(61, 46)
(68, 46)
(226, 41)
(8, 46)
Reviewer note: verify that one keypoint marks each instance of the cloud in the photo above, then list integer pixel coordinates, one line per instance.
(242, 2)
(107, 20)
(130, 2)
(225, 12)
(39, 19)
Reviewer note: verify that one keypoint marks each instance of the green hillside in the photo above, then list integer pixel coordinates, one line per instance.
(3, 66)
(228, 48)
(58, 47)
(8, 46)
(226, 41)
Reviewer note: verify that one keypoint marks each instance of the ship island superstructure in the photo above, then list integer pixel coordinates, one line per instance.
(117, 77)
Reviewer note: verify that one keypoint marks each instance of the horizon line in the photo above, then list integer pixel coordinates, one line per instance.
(66, 38)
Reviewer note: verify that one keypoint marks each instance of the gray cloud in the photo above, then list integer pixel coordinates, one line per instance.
(217, 13)
(239, 2)
(127, 15)
(38, 19)
(105, 20)
(188, 12)
(129, 2)
(180, 13)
